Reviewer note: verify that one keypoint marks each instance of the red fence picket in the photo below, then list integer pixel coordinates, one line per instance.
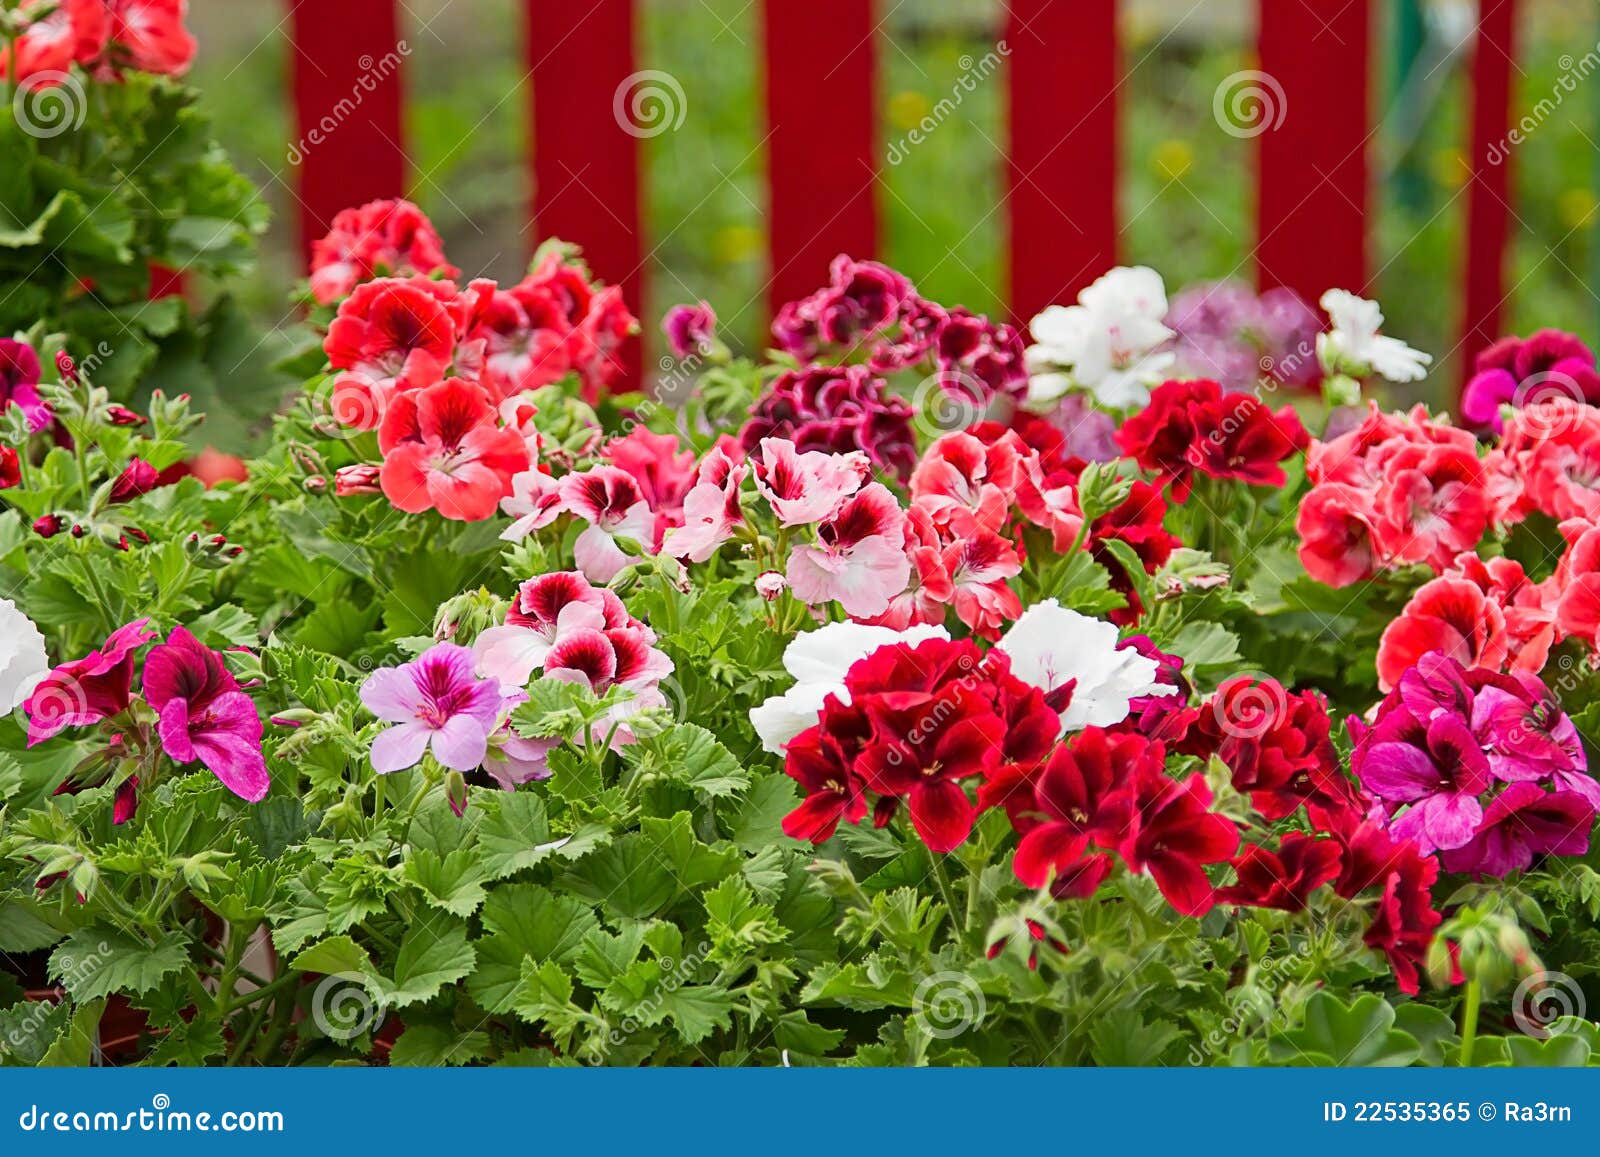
(586, 132)
(822, 138)
(348, 96)
(1489, 195)
(1061, 183)
(1315, 131)
(592, 105)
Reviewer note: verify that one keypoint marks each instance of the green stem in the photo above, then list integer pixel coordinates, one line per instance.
(1469, 1021)
(941, 877)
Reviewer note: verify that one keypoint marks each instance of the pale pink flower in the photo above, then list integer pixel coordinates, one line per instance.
(534, 502)
(806, 488)
(710, 509)
(860, 560)
(610, 501)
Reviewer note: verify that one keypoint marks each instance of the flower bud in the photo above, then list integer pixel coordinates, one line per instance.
(122, 416)
(48, 525)
(352, 480)
(770, 584)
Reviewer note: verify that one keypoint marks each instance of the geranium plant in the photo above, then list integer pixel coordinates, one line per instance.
(915, 696)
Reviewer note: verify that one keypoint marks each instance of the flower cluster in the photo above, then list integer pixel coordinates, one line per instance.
(1518, 372)
(838, 410)
(1397, 490)
(1229, 333)
(391, 238)
(103, 36)
(1483, 767)
(201, 714)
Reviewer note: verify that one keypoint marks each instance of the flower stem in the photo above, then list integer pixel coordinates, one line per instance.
(1469, 1021)
(942, 878)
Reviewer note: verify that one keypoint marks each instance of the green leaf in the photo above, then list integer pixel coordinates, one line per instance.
(514, 834)
(430, 957)
(1360, 1033)
(1205, 645)
(1123, 1039)
(74, 1048)
(453, 883)
(1566, 1051)
(1432, 1028)
(758, 821)
(690, 755)
(539, 922)
(433, 1045)
(334, 956)
(96, 961)
(697, 1009)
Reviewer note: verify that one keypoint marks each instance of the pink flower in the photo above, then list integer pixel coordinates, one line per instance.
(545, 610)
(204, 715)
(512, 760)
(711, 509)
(979, 566)
(523, 333)
(443, 450)
(362, 478)
(930, 591)
(534, 503)
(152, 36)
(859, 561)
(616, 658)
(87, 690)
(968, 486)
(611, 502)
(1522, 822)
(436, 704)
(663, 471)
(1449, 615)
(806, 488)
(390, 238)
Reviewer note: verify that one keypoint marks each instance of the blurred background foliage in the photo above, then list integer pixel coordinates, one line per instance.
(1186, 189)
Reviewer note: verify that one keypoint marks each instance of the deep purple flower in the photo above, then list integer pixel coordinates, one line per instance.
(437, 703)
(690, 329)
(1517, 371)
(861, 300)
(979, 359)
(836, 409)
(204, 715)
(1520, 823)
(19, 383)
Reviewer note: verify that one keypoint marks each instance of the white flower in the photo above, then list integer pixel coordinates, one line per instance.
(819, 660)
(1355, 345)
(23, 661)
(1108, 343)
(1049, 645)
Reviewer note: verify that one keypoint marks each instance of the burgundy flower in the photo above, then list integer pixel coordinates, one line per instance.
(10, 468)
(862, 300)
(204, 715)
(87, 690)
(837, 409)
(1404, 919)
(1285, 878)
(978, 359)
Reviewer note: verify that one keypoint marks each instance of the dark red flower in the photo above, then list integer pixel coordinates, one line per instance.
(1173, 835)
(1194, 426)
(835, 409)
(48, 525)
(10, 468)
(1285, 878)
(1404, 920)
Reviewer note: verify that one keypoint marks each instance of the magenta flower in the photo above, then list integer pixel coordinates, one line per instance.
(1520, 823)
(1518, 372)
(87, 690)
(836, 409)
(204, 715)
(690, 328)
(1436, 769)
(19, 383)
(436, 703)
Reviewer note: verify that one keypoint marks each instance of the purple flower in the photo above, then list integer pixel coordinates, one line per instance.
(690, 329)
(861, 300)
(1436, 770)
(835, 409)
(204, 715)
(19, 383)
(436, 703)
(1228, 333)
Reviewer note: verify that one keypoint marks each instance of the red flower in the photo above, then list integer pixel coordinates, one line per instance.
(1174, 835)
(390, 238)
(1084, 796)
(920, 720)
(443, 450)
(1190, 426)
(74, 31)
(1335, 527)
(390, 335)
(664, 472)
(10, 468)
(138, 477)
(520, 336)
(150, 33)
(1285, 878)
(1451, 615)
(1404, 920)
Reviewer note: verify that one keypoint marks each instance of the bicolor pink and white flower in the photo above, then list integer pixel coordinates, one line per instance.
(614, 506)
(859, 560)
(436, 703)
(545, 610)
(805, 488)
(711, 510)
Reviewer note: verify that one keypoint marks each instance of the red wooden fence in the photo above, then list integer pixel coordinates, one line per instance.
(1064, 77)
